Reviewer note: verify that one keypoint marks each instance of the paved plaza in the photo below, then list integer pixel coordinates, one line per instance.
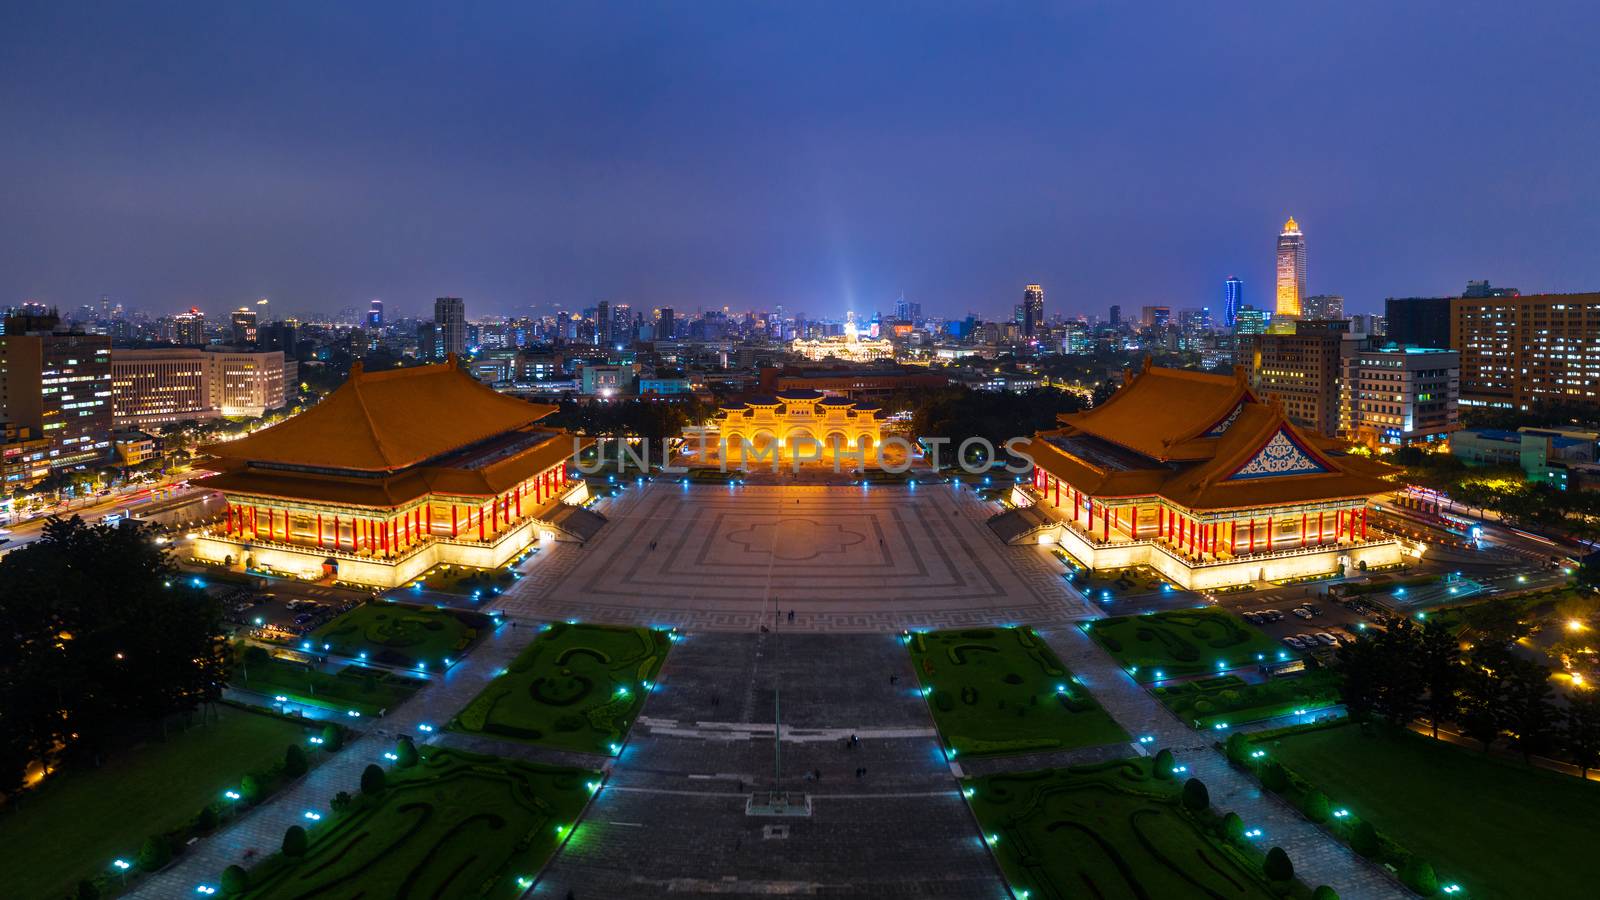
(844, 559)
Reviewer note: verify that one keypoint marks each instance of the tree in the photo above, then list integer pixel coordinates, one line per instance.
(1418, 875)
(1481, 697)
(1580, 734)
(1195, 796)
(1274, 777)
(155, 853)
(294, 761)
(1315, 806)
(406, 751)
(1439, 661)
(1529, 708)
(1238, 748)
(145, 644)
(235, 881)
(332, 738)
(206, 821)
(250, 789)
(294, 842)
(1277, 865)
(1359, 665)
(341, 801)
(373, 780)
(1233, 828)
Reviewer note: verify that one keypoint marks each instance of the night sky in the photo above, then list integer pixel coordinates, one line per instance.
(820, 156)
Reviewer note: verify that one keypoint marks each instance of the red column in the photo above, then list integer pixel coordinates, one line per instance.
(454, 528)
(337, 541)
(1233, 538)
(1269, 534)
(480, 523)
(1363, 523)
(1321, 535)
(1058, 491)
(1105, 522)
(1302, 529)
(1338, 528)
(519, 501)
(319, 529)
(1252, 534)
(1133, 523)
(427, 518)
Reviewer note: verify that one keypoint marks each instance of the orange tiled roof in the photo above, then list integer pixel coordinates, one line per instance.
(1162, 412)
(1202, 467)
(386, 421)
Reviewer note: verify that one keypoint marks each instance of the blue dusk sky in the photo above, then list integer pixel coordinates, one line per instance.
(823, 156)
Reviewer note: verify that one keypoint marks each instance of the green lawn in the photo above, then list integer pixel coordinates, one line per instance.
(1001, 690)
(466, 580)
(1227, 699)
(1109, 831)
(577, 687)
(456, 825)
(367, 691)
(79, 821)
(1498, 828)
(396, 634)
(1184, 642)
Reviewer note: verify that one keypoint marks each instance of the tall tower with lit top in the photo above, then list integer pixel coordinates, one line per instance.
(1291, 269)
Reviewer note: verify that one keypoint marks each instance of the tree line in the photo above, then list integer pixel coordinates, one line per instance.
(104, 642)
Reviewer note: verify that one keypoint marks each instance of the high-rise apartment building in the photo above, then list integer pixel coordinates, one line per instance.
(189, 329)
(450, 326)
(1394, 396)
(1249, 320)
(1517, 351)
(1232, 300)
(1032, 321)
(375, 314)
(664, 324)
(1155, 316)
(1322, 306)
(1115, 315)
(244, 326)
(1300, 371)
(622, 331)
(1291, 269)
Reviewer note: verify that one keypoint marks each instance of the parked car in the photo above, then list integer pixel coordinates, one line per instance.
(1253, 618)
(1327, 639)
(1302, 612)
(1272, 615)
(1294, 643)
(1312, 608)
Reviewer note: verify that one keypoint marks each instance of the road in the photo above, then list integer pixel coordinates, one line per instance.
(27, 532)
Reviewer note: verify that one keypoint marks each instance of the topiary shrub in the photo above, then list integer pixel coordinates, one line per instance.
(1315, 806)
(1277, 865)
(1323, 892)
(1195, 796)
(407, 751)
(341, 801)
(206, 820)
(155, 853)
(332, 738)
(1233, 828)
(1204, 707)
(1364, 839)
(373, 781)
(1238, 747)
(235, 881)
(294, 842)
(1418, 875)
(1164, 765)
(250, 789)
(294, 761)
(1229, 699)
(1274, 778)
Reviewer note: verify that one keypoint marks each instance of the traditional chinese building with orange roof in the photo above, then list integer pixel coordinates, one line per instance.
(1194, 475)
(394, 473)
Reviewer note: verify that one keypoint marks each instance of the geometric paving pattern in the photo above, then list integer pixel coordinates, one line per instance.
(843, 559)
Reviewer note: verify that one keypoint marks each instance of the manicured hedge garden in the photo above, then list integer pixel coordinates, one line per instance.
(145, 803)
(466, 580)
(450, 825)
(401, 635)
(1184, 642)
(1001, 690)
(365, 690)
(576, 687)
(1229, 700)
(1435, 813)
(1115, 830)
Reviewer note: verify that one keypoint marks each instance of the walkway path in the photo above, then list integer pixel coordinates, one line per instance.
(261, 829)
(1318, 858)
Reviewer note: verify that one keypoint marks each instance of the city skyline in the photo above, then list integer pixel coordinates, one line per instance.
(753, 177)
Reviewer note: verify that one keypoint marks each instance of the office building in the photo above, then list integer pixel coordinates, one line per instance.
(1232, 300)
(57, 386)
(450, 327)
(189, 329)
(1518, 351)
(1322, 306)
(1478, 290)
(243, 321)
(375, 314)
(1564, 456)
(160, 386)
(1032, 320)
(1155, 316)
(1395, 396)
(1291, 270)
(664, 324)
(1115, 315)
(1418, 321)
(1298, 371)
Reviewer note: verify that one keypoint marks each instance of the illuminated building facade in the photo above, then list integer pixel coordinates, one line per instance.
(1232, 300)
(796, 421)
(1298, 371)
(158, 386)
(1517, 351)
(1032, 310)
(392, 474)
(1291, 269)
(1194, 475)
(849, 347)
(1395, 396)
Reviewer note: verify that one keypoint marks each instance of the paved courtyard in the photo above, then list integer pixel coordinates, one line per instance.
(843, 559)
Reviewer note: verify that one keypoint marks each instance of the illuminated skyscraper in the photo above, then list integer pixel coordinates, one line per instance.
(450, 326)
(1032, 310)
(1232, 299)
(1291, 269)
